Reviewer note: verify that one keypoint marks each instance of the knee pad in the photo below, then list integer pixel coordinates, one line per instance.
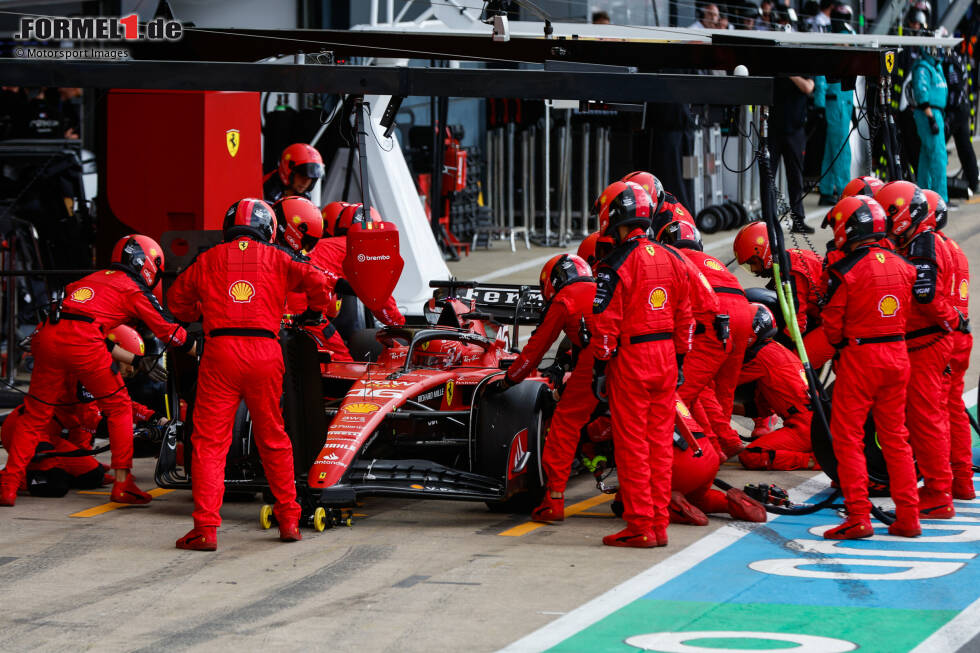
(49, 483)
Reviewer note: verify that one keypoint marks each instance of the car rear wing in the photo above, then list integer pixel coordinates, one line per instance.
(504, 303)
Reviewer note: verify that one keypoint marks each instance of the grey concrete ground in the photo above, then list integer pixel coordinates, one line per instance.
(408, 576)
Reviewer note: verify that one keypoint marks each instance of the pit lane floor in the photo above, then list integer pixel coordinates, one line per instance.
(408, 576)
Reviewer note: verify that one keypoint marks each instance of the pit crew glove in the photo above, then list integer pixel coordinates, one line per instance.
(554, 373)
(680, 370)
(933, 125)
(964, 325)
(599, 380)
(310, 317)
(150, 365)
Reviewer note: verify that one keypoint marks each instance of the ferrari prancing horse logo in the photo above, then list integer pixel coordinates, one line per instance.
(889, 62)
(450, 387)
(232, 139)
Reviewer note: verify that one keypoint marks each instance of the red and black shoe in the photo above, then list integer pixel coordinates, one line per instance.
(551, 509)
(633, 539)
(683, 511)
(199, 538)
(742, 506)
(127, 492)
(289, 532)
(935, 505)
(851, 529)
(908, 527)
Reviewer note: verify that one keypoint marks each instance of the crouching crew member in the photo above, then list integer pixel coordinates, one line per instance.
(781, 387)
(870, 293)
(568, 288)
(71, 344)
(239, 287)
(643, 327)
(931, 317)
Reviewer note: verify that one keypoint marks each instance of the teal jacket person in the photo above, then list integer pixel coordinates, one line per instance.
(929, 94)
(836, 166)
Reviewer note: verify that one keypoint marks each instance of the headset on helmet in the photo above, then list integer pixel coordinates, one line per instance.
(562, 270)
(905, 206)
(249, 217)
(763, 323)
(301, 158)
(937, 210)
(140, 255)
(752, 240)
(651, 185)
(440, 354)
(352, 213)
(330, 214)
(300, 223)
(670, 211)
(127, 338)
(622, 204)
(857, 218)
(681, 235)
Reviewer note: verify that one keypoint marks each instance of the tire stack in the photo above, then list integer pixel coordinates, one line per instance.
(722, 217)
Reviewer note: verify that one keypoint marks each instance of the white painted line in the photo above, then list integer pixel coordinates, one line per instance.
(642, 584)
(956, 633)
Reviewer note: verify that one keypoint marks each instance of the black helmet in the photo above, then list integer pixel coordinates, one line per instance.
(249, 217)
(763, 323)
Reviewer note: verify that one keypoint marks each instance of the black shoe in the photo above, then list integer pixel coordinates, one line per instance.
(827, 200)
(800, 227)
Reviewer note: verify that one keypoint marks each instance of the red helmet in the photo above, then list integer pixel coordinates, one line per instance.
(857, 218)
(352, 213)
(651, 185)
(866, 185)
(937, 210)
(561, 270)
(300, 223)
(681, 235)
(249, 217)
(624, 203)
(330, 213)
(127, 338)
(301, 158)
(440, 354)
(586, 249)
(752, 241)
(140, 255)
(905, 206)
(763, 323)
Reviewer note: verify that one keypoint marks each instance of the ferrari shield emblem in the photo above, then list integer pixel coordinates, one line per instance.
(889, 61)
(232, 138)
(450, 387)
(243, 245)
(880, 257)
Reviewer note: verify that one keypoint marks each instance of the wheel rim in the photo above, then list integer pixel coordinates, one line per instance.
(319, 519)
(265, 517)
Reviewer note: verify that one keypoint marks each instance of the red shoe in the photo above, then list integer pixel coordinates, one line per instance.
(199, 538)
(630, 538)
(851, 529)
(127, 492)
(661, 535)
(935, 505)
(683, 511)
(763, 426)
(8, 491)
(963, 489)
(743, 507)
(550, 510)
(290, 532)
(905, 527)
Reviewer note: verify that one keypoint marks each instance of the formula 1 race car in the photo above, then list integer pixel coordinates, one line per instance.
(424, 417)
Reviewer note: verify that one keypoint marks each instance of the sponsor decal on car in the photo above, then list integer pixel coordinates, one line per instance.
(362, 408)
(450, 388)
(431, 394)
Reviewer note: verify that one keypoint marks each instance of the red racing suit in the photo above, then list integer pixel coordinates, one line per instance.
(931, 317)
(328, 338)
(75, 348)
(240, 288)
(870, 294)
(810, 286)
(567, 310)
(781, 388)
(960, 432)
(712, 366)
(642, 314)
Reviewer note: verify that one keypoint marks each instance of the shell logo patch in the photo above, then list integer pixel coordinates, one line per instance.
(82, 295)
(651, 251)
(450, 388)
(880, 257)
(888, 306)
(232, 139)
(362, 408)
(658, 298)
(241, 292)
(713, 264)
(964, 289)
(243, 245)
(682, 409)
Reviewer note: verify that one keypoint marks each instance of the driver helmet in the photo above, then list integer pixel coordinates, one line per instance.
(438, 354)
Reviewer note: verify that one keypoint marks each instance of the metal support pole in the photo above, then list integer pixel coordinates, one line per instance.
(488, 199)
(510, 184)
(361, 118)
(525, 177)
(586, 132)
(11, 310)
(598, 186)
(532, 160)
(605, 156)
(501, 180)
(566, 200)
(547, 171)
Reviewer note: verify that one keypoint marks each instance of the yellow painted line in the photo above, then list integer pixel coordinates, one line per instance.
(112, 505)
(100, 492)
(574, 509)
(595, 514)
